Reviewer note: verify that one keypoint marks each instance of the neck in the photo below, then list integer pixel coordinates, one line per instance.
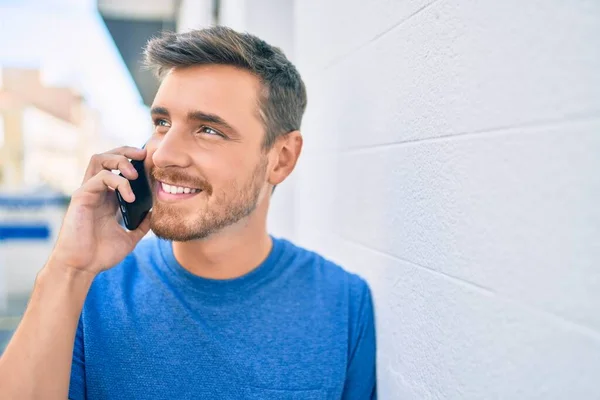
(229, 253)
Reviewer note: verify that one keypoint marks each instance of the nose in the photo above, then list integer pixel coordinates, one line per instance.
(171, 151)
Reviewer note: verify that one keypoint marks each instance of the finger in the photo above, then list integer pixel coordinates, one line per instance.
(141, 231)
(112, 162)
(105, 180)
(130, 152)
(115, 159)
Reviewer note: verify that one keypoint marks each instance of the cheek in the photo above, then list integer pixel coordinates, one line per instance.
(224, 167)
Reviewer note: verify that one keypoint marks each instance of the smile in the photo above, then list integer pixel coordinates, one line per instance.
(177, 189)
(170, 192)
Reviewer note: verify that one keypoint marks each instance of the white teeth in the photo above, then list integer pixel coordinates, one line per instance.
(178, 189)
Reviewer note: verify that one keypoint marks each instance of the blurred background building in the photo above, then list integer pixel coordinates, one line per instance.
(451, 158)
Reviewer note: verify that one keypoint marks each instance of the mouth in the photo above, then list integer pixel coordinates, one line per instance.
(170, 192)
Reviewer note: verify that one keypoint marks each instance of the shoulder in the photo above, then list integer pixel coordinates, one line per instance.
(327, 275)
(336, 289)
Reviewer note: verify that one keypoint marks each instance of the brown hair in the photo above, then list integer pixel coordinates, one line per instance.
(283, 99)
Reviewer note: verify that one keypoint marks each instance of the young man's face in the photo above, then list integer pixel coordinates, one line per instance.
(207, 143)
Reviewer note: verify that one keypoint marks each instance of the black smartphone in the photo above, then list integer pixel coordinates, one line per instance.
(134, 213)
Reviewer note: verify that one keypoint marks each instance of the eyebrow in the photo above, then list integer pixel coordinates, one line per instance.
(197, 115)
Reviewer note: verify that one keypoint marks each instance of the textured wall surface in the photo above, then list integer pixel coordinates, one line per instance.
(452, 158)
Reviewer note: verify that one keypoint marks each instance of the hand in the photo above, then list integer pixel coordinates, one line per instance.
(90, 238)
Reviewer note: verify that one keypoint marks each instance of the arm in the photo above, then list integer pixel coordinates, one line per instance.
(37, 361)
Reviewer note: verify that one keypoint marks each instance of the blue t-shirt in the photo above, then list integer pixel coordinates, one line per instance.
(296, 327)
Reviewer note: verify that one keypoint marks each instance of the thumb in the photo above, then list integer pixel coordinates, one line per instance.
(141, 231)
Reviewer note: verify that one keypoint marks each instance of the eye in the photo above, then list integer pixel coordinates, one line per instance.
(210, 131)
(162, 123)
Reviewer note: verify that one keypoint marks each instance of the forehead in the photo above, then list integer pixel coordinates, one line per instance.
(224, 90)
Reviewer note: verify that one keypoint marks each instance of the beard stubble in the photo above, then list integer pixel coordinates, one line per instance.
(220, 208)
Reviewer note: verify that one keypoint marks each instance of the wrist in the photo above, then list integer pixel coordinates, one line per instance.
(55, 271)
(62, 289)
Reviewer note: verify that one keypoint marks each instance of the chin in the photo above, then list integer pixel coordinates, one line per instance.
(178, 233)
(174, 225)
(182, 224)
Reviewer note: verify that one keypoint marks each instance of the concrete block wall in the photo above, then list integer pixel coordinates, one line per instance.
(452, 158)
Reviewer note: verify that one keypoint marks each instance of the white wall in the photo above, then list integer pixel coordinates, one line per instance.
(453, 159)
(194, 14)
(271, 20)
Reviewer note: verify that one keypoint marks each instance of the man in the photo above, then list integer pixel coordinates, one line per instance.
(213, 307)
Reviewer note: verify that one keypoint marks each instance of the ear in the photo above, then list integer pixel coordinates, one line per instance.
(285, 153)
